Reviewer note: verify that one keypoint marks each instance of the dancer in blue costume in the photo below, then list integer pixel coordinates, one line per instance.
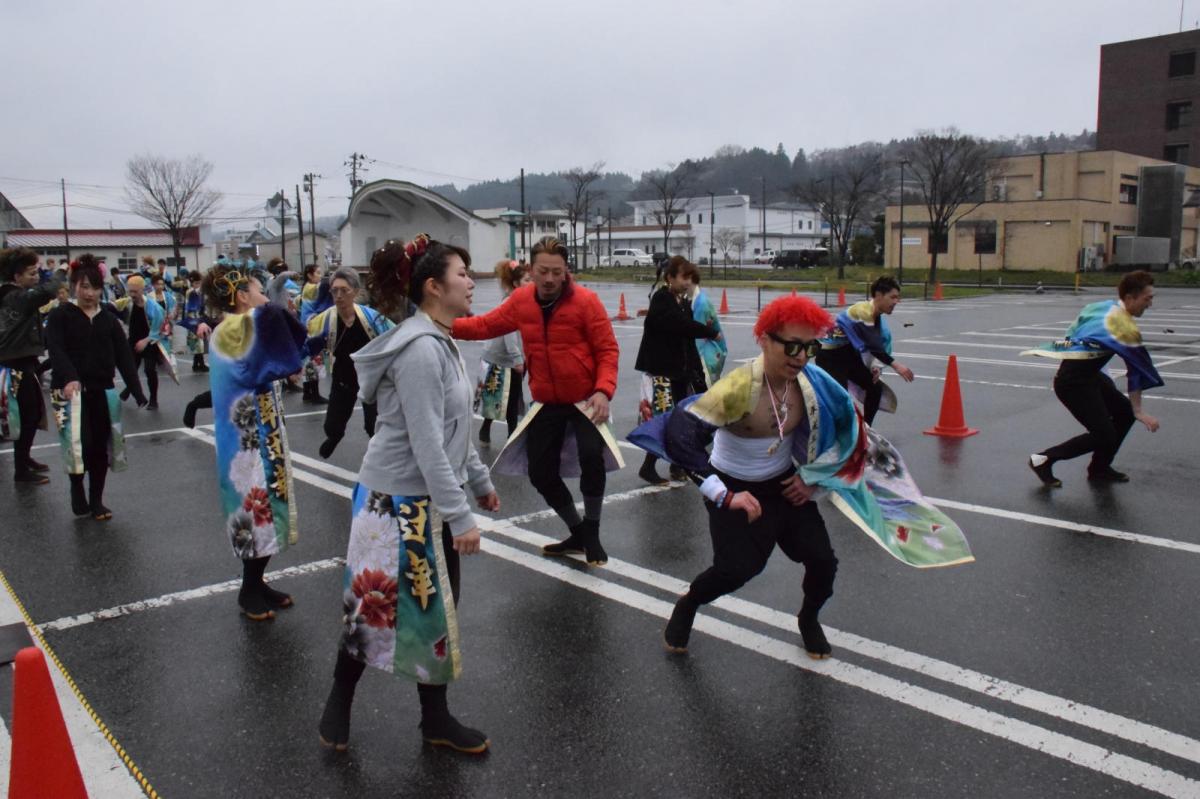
(782, 430)
(196, 322)
(859, 336)
(411, 510)
(1102, 330)
(256, 344)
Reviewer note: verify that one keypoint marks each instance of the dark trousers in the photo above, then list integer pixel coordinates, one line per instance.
(512, 413)
(1106, 413)
(149, 358)
(29, 405)
(342, 397)
(543, 444)
(845, 365)
(741, 549)
(452, 565)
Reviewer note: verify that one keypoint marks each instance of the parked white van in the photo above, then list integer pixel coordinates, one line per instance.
(627, 258)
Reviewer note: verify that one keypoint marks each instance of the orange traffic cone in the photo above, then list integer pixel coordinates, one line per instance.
(43, 760)
(937, 290)
(841, 296)
(724, 309)
(950, 422)
(622, 314)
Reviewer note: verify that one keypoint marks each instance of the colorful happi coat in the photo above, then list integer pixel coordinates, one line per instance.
(514, 458)
(193, 315)
(160, 329)
(10, 409)
(1102, 329)
(247, 353)
(492, 390)
(855, 327)
(323, 329)
(68, 417)
(713, 352)
(398, 606)
(860, 471)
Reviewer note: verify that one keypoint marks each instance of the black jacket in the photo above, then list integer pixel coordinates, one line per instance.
(90, 350)
(20, 322)
(668, 332)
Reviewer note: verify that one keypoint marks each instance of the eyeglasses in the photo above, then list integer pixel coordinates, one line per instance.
(793, 348)
(339, 291)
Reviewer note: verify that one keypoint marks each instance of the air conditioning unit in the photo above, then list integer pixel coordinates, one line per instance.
(999, 192)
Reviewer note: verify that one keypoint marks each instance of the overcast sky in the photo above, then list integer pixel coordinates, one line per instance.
(465, 89)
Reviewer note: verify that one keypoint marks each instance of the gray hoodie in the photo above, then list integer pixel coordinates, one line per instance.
(422, 443)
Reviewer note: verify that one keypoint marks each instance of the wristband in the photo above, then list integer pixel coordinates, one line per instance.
(713, 489)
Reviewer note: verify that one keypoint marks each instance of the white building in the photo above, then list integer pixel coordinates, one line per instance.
(700, 224)
(119, 247)
(397, 209)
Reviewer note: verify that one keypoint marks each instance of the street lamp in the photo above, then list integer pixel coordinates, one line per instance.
(712, 250)
(513, 218)
(900, 267)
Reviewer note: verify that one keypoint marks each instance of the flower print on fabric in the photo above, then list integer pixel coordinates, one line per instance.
(258, 503)
(372, 645)
(377, 592)
(246, 471)
(245, 419)
(240, 528)
(374, 543)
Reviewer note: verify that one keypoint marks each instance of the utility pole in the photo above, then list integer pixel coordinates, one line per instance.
(357, 163)
(764, 212)
(523, 250)
(712, 250)
(608, 216)
(66, 233)
(900, 268)
(586, 199)
(310, 181)
(300, 223)
(282, 225)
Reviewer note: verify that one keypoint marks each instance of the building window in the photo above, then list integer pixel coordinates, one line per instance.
(127, 264)
(1182, 65)
(699, 219)
(1129, 193)
(180, 262)
(941, 243)
(810, 224)
(1176, 152)
(1179, 115)
(985, 238)
(689, 219)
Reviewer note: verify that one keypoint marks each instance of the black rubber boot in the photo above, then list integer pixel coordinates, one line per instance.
(1045, 473)
(334, 728)
(679, 627)
(571, 544)
(592, 549)
(312, 393)
(649, 473)
(439, 728)
(189, 414)
(251, 597)
(815, 644)
(327, 447)
(96, 480)
(485, 432)
(1107, 475)
(79, 500)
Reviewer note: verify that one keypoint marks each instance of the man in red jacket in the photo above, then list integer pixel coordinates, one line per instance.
(571, 356)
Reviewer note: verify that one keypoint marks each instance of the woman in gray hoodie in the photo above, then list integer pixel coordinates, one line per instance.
(411, 514)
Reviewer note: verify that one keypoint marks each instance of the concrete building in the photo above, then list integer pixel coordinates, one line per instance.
(11, 218)
(266, 246)
(1149, 93)
(387, 209)
(1056, 211)
(119, 247)
(788, 226)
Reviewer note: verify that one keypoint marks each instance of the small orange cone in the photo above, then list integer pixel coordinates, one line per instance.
(724, 309)
(622, 314)
(43, 760)
(950, 422)
(841, 296)
(937, 290)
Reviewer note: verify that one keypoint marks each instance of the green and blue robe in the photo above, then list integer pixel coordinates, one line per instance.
(1102, 329)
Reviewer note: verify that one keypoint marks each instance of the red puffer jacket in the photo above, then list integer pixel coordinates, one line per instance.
(570, 357)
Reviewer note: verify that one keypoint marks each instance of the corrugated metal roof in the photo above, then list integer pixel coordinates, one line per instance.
(82, 239)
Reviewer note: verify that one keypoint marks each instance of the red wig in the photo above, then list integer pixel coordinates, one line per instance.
(792, 310)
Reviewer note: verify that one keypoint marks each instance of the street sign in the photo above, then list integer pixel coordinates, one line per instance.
(910, 241)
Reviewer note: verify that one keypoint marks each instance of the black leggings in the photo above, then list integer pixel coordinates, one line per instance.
(544, 442)
(741, 549)
(1106, 413)
(845, 365)
(512, 413)
(342, 397)
(29, 405)
(149, 358)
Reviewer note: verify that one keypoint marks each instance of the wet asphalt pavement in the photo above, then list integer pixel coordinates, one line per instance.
(1060, 663)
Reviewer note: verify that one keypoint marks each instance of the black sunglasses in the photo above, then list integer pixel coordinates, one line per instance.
(793, 348)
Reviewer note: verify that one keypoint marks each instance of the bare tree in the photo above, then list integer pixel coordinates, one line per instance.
(726, 239)
(668, 189)
(844, 186)
(171, 193)
(952, 171)
(579, 199)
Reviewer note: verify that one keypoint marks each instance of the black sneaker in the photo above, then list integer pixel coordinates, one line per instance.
(334, 728)
(651, 476)
(450, 733)
(679, 628)
(569, 545)
(815, 643)
(79, 501)
(1107, 475)
(593, 551)
(31, 477)
(253, 603)
(1045, 473)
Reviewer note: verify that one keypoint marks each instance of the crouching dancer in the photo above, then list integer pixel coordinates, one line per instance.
(411, 516)
(781, 429)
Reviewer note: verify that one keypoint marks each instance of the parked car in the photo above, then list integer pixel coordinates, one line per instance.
(801, 258)
(765, 257)
(628, 257)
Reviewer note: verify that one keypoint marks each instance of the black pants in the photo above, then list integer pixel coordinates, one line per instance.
(452, 564)
(1106, 413)
(544, 442)
(741, 549)
(342, 397)
(512, 412)
(845, 365)
(29, 405)
(149, 358)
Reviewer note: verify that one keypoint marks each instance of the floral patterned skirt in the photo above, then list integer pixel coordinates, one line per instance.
(491, 392)
(398, 602)
(69, 417)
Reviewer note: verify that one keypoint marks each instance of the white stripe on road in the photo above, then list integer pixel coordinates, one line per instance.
(1045, 388)
(1032, 363)
(166, 600)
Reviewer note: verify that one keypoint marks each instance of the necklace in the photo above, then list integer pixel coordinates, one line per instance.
(780, 420)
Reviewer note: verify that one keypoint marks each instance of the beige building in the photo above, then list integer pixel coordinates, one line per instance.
(1046, 211)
